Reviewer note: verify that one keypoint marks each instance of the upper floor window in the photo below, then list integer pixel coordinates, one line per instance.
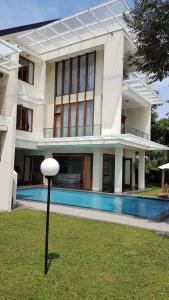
(24, 118)
(75, 75)
(26, 71)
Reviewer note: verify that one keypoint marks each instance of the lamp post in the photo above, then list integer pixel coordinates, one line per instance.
(49, 168)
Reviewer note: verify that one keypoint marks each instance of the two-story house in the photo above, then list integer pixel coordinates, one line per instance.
(79, 102)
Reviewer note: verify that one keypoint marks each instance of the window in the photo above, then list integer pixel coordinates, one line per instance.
(24, 118)
(26, 71)
(82, 80)
(91, 71)
(75, 75)
(74, 120)
(67, 77)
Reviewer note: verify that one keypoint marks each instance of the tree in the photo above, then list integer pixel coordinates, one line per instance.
(149, 25)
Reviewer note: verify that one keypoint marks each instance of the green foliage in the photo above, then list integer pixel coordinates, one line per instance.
(90, 260)
(149, 25)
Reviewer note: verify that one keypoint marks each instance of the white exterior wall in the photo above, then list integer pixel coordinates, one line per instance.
(8, 141)
(112, 83)
(139, 118)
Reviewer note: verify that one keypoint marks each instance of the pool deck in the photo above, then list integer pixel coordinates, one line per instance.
(91, 214)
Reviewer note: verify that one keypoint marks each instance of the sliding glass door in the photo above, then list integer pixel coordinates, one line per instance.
(75, 171)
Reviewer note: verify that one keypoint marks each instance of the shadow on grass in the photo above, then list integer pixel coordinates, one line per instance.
(52, 256)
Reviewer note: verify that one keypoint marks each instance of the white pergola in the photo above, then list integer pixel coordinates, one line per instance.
(137, 85)
(87, 24)
(6, 50)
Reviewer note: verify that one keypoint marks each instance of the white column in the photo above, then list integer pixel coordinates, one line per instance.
(118, 170)
(97, 170)
(133, 171)
(112, 83)
(141, 170)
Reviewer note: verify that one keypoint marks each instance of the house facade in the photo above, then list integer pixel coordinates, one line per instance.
(79, 102)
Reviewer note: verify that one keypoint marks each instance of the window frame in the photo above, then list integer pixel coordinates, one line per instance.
(21, 70)
(21, 123)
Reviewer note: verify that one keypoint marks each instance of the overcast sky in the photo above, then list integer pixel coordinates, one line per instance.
(19, 12)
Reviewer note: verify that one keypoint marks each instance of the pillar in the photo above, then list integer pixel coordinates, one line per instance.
(141, 170)
(118, 169)
(97, 170)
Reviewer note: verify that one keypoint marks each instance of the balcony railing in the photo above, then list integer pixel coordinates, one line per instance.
(125, 129)
(73, 131)
(88, 131)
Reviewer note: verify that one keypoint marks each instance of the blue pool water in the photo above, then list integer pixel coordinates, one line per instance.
(136, 206)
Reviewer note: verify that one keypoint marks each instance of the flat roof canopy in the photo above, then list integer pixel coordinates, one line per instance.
(87, 24)
(111, 141)
(6, 50)
(144, 90)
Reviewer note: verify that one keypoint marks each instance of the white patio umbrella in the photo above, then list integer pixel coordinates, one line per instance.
(163, 168)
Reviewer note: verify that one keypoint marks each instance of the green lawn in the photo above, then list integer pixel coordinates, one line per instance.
(90, 260)
(150, 192)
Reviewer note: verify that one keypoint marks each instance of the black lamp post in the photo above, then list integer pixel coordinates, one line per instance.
(49, 168)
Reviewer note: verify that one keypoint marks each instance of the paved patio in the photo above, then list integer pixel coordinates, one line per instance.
(161, 227)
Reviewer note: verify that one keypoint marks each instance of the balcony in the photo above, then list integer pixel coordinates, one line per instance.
(89, 131)
(127, 130)
(73, 131)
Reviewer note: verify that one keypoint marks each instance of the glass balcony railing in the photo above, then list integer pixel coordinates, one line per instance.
(73, 131)
(89, 130)
(127, 130)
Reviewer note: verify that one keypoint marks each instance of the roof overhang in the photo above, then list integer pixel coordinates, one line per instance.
(6, 51)
(94, 22)
(137, 86)
(111, 141)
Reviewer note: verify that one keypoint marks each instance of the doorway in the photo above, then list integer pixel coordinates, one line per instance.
(108, 173)
(31, 171)
(127, 174)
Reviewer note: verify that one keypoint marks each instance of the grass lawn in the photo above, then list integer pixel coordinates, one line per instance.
(89, 260)
(150, 192)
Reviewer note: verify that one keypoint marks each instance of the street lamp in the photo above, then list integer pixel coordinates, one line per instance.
(49, 168)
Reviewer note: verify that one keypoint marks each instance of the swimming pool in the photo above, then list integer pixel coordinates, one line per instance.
(128, 205)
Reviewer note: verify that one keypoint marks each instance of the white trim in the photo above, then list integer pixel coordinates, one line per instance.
(116, 140)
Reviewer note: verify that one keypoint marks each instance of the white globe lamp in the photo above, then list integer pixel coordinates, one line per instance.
(49, 168)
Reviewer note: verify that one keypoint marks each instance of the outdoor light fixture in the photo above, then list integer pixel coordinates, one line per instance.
(49, 168)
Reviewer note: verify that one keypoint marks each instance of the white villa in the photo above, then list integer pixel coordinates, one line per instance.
(66, 92)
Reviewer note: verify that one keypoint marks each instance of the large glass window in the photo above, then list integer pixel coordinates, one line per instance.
(24, 118)
(89, 118)
(90, 76)
(66, 77)
(82, 79)
(26, 71)
(74, 119)
(75, 75)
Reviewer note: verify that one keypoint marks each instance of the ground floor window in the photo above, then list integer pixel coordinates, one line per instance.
(75, 171)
